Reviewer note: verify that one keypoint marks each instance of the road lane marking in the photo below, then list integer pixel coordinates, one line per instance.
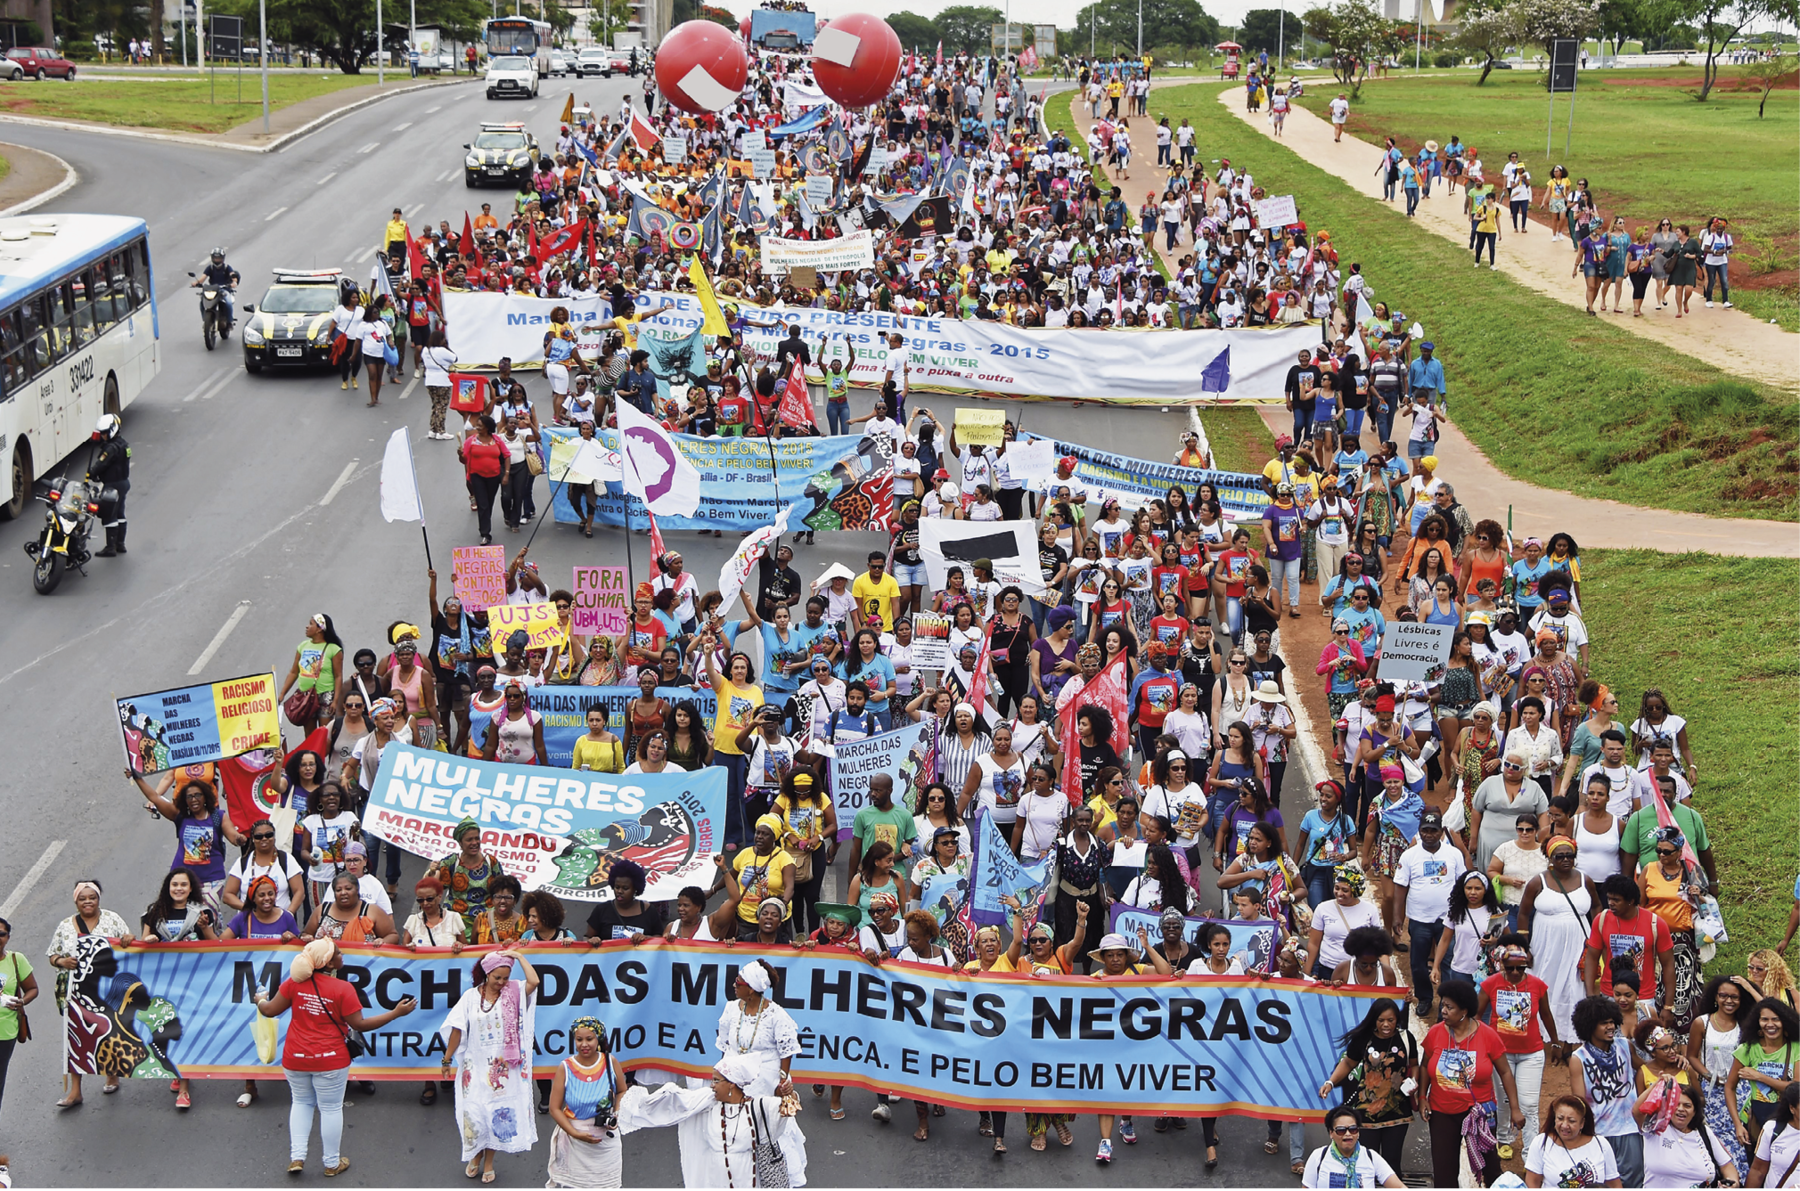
(338, 486)
(410, 386)
(364, 255)
(531, 107)
(370, 147)
(32, 877)
(206, 655)
(205, 384)
(403, 127)
(326, 178)
(438, 108)
(413, 210)
(220, 387)
(270, 217)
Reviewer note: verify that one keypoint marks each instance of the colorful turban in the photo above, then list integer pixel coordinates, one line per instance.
(589, 1023)
(1351, 877)
(888, 901)
(1089, 654)
(1559, 844)
(463, 828)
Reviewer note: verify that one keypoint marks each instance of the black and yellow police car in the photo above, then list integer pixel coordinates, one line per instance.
(500, 153)
(292, 326)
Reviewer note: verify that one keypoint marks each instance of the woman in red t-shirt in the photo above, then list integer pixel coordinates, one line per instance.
(1462, 1058)
(1169, 626)
(1229, 571)
(485, 460)
(1169, 574)
(315, 1056)
(1513, 1001)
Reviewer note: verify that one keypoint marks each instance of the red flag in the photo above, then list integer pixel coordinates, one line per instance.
(1106, 689)
(796, 402)
(560, 241)
(466, 245)
(657, 549)
(642, 132)
(415, 259)
(978, 685)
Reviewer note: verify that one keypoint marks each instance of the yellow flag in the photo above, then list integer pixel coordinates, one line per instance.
(568, 112)
(715, 323)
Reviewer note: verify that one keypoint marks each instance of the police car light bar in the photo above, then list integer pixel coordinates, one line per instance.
(308, 274)
(515, 126)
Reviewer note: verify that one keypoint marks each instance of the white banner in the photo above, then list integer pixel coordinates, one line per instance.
(1010, 545)
(855, 251)
(1278, 211)
(482, 327)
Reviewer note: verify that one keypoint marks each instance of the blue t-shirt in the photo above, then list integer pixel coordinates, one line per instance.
(1366, 627)
(876, 674)
(1346, 460)
(796, 648)
(1328, 844)
(1525, 577)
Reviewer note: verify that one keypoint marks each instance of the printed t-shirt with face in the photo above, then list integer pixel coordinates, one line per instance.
(1630, 946)
(768, 762)
(1461, 1073)
(893, 826)
(1516, 1009)
(736, 704)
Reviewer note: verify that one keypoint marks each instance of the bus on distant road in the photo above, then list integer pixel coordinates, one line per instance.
(78, 336)
(521, 37)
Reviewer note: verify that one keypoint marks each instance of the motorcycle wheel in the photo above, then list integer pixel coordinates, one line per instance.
(211, 332)
(48, 572)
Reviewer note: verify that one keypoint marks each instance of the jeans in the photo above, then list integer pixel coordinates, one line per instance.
(1485, 240)
(1519, 209)
(485, 488)
(1718, 271)
(393, 859)
(1412, 199)
(1234, 616)
(736, 767)
(1320, 880)
(323, 1090)
(1628, 1148)
(1287, 569)
(1303, 412)
(1421, 941)
(1390, 183)
(837, 417)
(1353, 420)
(1296, 1138)
(1162, 154)
(1528, 1077)
(1173, 230)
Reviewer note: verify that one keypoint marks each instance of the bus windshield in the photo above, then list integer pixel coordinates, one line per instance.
(511, 39)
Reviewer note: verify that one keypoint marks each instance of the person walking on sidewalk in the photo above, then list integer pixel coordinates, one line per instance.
(1487, 229)
(1717, 243)
(1340, 115)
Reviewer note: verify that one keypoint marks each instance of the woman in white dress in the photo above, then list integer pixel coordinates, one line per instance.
(719, 1125)
(755, 1027)
(1555, 911)
(487, 1050)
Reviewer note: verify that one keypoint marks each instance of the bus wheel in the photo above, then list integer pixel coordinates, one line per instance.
(21, 483)
(111, 404)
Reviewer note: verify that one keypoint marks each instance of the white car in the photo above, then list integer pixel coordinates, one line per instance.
(511, 74)
(559, 62)
(594, 60)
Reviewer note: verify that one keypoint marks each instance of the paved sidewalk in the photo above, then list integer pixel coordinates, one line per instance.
(1731, 339)
(1535, 511)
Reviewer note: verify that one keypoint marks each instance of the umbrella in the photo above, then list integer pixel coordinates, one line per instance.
(1228, 45)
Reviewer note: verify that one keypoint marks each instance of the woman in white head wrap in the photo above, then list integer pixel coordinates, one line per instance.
(755, 1028)
(488, 1051)
(721, 1124)
(314, 1055)
(87, 920)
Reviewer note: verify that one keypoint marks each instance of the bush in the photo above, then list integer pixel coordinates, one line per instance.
(1444, 60)
(81, 50)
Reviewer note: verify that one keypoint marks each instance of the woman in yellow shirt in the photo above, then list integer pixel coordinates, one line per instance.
(763, 873)
(599, 751)
(809, 833)
(738, 698)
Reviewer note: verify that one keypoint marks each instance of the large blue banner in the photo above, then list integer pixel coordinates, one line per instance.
(841, 482)
(564, 710)
(1154, 1046)
(555, 829)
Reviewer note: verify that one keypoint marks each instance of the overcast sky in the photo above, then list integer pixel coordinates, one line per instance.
(1058, 12)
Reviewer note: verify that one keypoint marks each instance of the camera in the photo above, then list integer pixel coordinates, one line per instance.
(608, 1120)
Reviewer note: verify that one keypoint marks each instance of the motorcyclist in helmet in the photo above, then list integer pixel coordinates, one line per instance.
(110, 466)
(222, 275)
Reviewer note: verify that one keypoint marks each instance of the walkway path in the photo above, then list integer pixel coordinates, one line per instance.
(1601, 524)
(1731, 339)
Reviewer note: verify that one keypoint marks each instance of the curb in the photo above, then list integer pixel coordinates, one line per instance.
(274, 146)
(70, 178)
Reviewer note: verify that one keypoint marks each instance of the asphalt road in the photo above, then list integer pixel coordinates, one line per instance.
(259, 492)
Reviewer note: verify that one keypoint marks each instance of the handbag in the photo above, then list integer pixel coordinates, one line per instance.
(355, 1043)
(534, 462)
(390, 353)
(301, 708)
(770, 1164)
(1413, 772)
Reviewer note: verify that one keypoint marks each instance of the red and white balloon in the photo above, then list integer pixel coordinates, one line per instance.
(701, 67)
(856, 59)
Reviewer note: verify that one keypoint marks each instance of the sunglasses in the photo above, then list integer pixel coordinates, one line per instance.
(1527, 827)
(263, 835)
(1346, 1129)
(1238, 661)
(1510, 765)
(1665, 851)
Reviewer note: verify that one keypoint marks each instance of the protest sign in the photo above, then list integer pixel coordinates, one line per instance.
(902, 754)
(854, 251)
(994, 873)
(192, 725)
(1415, 652)
(762, 161)
(1276, 211)
(478, 574)
(1255, 939)
(841, 482)
(538, 620)
(1136, 482)
(930, 641)
(806, 277)
(563, 710)
(818, 190)
(1031, 461)
(601, 604)
(753, 140)
(560, 830)
(980, 427)
(1010, 545)
(482, 327)
(674, 148)
(1213, 1046)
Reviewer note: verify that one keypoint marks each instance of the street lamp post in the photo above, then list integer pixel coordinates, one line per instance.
(262, 54)
(1140, 39)
(380, 61)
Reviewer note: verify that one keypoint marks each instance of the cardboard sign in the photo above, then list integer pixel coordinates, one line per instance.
(763, 162)
(538, 620)
(601, 604)
(818, 190)
(931, 641)
(980, 427)
(1032, 461)
(478, 575)
(753, 141)
(1414, 652)
(803, 277)
(674, 149)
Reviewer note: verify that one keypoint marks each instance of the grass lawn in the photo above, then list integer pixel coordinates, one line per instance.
(1240, 441)
(1716, 635)
(1550, 396)
(5, 167)
(178, 105)
(1649, 150)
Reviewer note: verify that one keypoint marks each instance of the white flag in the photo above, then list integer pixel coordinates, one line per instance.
(654, 470)
(592, 461)
(399, 486)
(736, 571)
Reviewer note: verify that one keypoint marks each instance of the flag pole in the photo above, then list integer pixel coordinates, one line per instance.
(418, 500)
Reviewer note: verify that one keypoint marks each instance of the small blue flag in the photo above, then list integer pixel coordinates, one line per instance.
(1216, 376)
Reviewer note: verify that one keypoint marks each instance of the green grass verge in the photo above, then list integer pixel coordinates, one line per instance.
(1548, 394)
(1632, 130)
(1240, 441)
(5, 167)
(178, 105)
(1716, 635)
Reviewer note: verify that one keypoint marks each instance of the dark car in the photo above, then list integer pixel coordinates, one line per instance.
(500, 153)
(292, 325)
(38, 63)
